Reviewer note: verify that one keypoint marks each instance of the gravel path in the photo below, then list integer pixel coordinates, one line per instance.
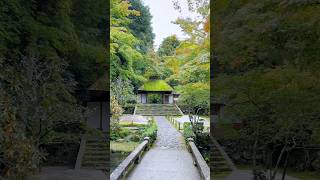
(169, 158)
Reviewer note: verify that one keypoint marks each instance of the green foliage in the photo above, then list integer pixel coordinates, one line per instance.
(225, 132)
(266, 72)
(168, 46)
(119, 134)
(269, 96)
(151, 131)
(50, 31)
(47, 49)
(127, 61)
(266, 34)
(38, 82)
(189, 68)
(201, 7)
(122, 90)
(154, 98)
(140, 26)
(187, 131)
(116, 111)
(132, 124)
(19, 155)
(195, 98)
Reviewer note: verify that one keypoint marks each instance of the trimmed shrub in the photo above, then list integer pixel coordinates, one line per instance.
(187, 131)
(122, 133)
(151, 131)
(135, 138)
(129, 108)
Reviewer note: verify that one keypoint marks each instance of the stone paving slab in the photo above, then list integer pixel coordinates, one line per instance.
(66, 173)
(129, 118)
(169, 159)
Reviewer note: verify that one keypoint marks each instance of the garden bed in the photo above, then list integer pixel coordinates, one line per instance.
(128, 138)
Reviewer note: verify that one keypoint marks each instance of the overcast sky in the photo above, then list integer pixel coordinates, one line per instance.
(163, 14)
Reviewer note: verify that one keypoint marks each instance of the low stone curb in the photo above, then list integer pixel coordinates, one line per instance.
(134, 158)
(200, 162)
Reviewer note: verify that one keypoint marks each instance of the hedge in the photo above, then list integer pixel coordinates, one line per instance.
(151, 131)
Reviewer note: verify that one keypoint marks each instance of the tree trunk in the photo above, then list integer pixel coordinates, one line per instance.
(285, 166)
(278, 162)
(254, 160)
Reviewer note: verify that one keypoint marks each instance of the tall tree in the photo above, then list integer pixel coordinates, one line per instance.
(168, 46)
(44, 47)
(140, 26)
(190, 63)
(123, 44)
(267, 60)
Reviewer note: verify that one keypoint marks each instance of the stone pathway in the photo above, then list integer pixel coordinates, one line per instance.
(169, 158)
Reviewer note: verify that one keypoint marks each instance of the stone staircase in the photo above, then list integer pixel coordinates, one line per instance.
(95, 152)
(220, 162)
(157, 110)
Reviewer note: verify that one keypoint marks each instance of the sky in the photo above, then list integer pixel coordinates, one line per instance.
(163, 13)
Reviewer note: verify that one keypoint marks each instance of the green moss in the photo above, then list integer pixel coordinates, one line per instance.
(156, 85)
(123, 146)
(131, 124)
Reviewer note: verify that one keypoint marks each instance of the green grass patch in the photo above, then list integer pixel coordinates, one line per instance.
(131, 124)
(123, 146)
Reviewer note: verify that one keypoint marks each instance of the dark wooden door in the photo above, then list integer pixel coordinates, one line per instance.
(165, 99)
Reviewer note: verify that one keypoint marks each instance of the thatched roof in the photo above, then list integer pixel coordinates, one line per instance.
(155, 85)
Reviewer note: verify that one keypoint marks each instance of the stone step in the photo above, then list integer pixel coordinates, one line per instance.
(96, 165)
(102, 145)
(220, 169)
(156, 104)
(217, 158)
(95, 158)
(158, 112)
(215, 153)
(97, 149)
(157, 109)
(96, 153)
(219, 163)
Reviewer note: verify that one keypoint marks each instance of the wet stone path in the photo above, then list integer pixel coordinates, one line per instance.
(168, 159)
